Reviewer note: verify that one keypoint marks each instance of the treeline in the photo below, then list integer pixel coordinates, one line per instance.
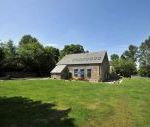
(135, 60)
(31, 57)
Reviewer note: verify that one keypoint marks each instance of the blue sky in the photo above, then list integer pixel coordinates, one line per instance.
(96, 24)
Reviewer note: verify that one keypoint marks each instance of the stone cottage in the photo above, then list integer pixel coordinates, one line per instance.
(92, 66)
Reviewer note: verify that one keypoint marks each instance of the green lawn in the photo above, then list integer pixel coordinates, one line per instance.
(52, 103)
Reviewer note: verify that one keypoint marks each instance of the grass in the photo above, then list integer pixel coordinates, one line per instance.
(74, 103)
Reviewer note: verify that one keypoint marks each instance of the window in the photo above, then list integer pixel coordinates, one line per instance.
(75, 72)
(89, 73)
(82, 73)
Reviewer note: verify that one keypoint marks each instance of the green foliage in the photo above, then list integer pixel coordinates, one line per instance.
(124, 67)
(144, 71)
(35, 57)
(26, 39)
(10, 56)
(1, 54)
(9, 49)
(53, 51)
(71, 49)
(29, 56)
(144, 53)
(144, 58)
(114, 57)
(1, 58)
(131, 53)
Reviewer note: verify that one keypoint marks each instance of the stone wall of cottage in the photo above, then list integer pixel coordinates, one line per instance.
(104, 69)
(99, 72)
(56, 76)
(95, 71)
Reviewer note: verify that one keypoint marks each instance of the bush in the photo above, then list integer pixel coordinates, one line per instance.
(124, 68)
(114, 76)
(144, 72)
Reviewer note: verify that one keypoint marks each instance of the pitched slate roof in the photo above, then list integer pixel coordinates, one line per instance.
(83, 58)
(58, 69)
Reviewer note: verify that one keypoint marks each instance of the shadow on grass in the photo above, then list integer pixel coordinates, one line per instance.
(24, 112)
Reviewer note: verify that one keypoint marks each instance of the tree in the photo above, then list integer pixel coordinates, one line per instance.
(9, 62)
(54, 52)
(71, 49)
(26, 39)
(34, 56)
(114, 57)
(1, 57)
(144, 58)
(30, 54)
(144, 53)
(1, 53)
(131, 53)
(124, 67)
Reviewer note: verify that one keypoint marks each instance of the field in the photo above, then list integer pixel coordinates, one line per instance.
(58, 103)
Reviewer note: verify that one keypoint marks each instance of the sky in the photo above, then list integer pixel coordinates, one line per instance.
(110, 25)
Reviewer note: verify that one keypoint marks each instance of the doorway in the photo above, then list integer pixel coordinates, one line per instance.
(82, 73)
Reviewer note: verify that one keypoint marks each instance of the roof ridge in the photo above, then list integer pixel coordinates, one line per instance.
(86, 53)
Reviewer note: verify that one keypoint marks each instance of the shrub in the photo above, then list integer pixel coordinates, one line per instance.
(144, 72)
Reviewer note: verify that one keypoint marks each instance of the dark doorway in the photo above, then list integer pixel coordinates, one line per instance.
(82, 73)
